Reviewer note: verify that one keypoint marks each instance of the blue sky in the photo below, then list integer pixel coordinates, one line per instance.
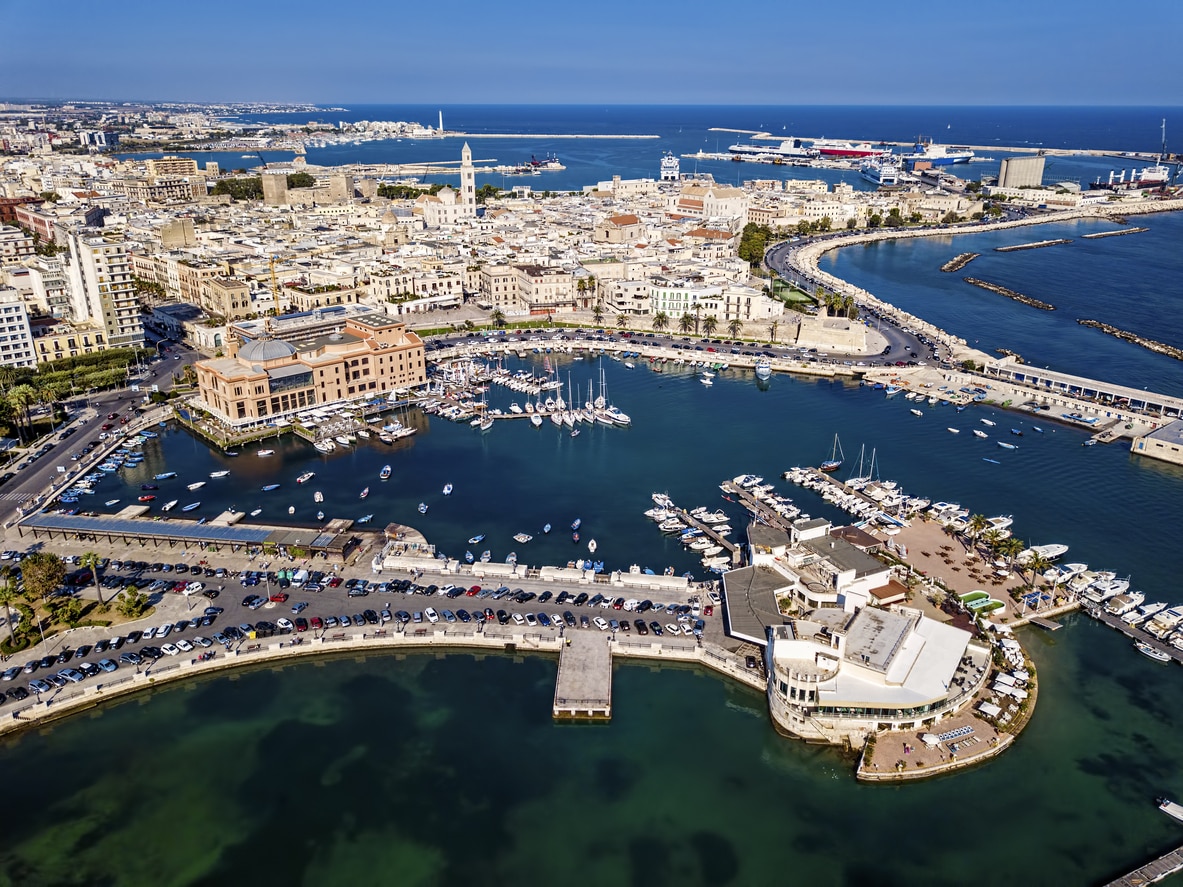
(608, 51)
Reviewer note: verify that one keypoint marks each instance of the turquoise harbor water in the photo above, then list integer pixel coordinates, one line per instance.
(449, 770)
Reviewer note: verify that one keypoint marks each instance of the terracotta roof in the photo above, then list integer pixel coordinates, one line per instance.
(710, 234)
(628, 219)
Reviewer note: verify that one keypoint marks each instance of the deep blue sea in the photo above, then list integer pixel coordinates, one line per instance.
(448, 769)
(686, 129)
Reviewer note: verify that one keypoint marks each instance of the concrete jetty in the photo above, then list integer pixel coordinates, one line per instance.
(583, 689)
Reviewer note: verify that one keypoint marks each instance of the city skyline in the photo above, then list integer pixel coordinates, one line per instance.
(614, 53)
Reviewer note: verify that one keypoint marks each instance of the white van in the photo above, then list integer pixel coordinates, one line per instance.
(299, 578)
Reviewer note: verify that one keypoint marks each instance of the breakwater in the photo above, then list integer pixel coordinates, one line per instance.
(1126, 335)
(1038, 244)
(1100, 234)
(1011, 294)
(959, 262)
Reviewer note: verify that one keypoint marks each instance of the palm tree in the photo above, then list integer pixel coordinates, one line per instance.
(593, 285)
(772, 327)
(22, 397)
(91, 560)
(697, 318)
(709, 323)
(598, 314)
(622, 321)
(498, 318)
(734, 327)
(9, 592)
(992, 539)
(1037, 564)
(686, 323)
(976, 524)
(661, 320)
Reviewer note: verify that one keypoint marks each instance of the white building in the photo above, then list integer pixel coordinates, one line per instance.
(839, 676)
(101, 288)
(16, 338)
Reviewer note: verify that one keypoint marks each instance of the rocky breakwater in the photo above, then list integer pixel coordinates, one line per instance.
(1126, 335)
(1010, 294)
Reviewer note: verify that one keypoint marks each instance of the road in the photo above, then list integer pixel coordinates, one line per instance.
(87, 416)
(904, 345)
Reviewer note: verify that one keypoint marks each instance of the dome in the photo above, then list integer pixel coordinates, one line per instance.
(265, 349)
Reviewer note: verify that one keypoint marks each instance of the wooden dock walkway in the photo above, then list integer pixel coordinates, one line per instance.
(1163, 867)
(583, 688)
(1135, 633)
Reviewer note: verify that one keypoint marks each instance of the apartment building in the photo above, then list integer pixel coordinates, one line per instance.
(101, 288)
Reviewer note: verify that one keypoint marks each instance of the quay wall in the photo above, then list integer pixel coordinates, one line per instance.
(805, 260)
(500, 639)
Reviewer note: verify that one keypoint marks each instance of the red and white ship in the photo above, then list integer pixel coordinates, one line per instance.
(831, 148)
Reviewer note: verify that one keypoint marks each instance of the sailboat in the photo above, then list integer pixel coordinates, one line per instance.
(836, 457)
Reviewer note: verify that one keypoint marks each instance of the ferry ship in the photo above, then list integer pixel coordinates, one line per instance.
(789, 149)
(831, 148)
(937, 155)
(883, 173)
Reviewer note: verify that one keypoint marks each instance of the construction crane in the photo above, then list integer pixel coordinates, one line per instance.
(274, 282)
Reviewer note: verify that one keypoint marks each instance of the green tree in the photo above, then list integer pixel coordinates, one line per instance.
(709, 324)
(803, 228)
(298, 180)
(772, 327)
(686, 323)
(622, 320)
(9, 592)
(91, 560)
(67, 610)
(753, 241)
(825, 223)
(487, 192)
(894, 219)
(734, 327)
(498, 318)
(132, 604)
(661, 321)
(43, 573)
(598, 313)
(875, 220)
(247, 188)
(851, 224)
(22, 397)
(975, 525)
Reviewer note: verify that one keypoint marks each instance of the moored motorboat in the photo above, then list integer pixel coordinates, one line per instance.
(305, 477)
(318, 496)
(384, 474)
(447, 489)
(1170, 808)
(256, 512)
(476, 540)
(364, 493)
(980, 433)
(111, 502)
(423, 508)
(577, 523)
(216, 474)
(197, 485)
(147, 498)
(169, 505)
(191, 506)
(320, 515)
(591, 546)
(265, 453)
(269, 487)
(1151, 652)
(165, 475)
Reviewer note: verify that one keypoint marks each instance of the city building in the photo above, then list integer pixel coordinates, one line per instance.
(841, 676)
(16, 338)
(101, 288)
(1021, 172)
(268, 378)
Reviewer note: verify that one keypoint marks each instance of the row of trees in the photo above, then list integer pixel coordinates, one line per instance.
(41, 576)
(251, 187)
(22, 389)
